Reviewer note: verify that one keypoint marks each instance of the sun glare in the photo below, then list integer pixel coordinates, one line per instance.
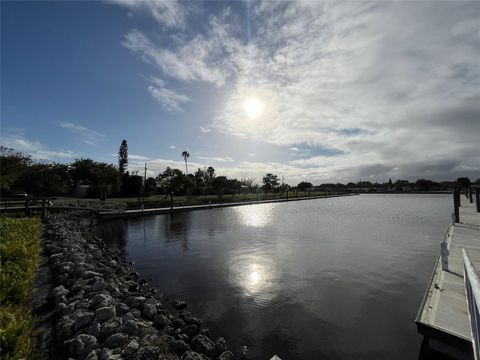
(253, 107)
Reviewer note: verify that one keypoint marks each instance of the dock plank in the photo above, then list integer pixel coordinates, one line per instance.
(444, 309)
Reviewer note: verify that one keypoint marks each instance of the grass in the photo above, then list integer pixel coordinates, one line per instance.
(160, 200)
(19, 246)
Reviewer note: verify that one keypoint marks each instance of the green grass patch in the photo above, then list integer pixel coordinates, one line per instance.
(19, 247)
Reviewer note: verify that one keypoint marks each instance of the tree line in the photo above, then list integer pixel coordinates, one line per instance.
(21, 174)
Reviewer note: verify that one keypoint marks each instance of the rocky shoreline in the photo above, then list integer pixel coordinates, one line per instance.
(104, 310)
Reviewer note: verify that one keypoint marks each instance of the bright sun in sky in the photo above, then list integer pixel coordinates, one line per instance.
(253, 107)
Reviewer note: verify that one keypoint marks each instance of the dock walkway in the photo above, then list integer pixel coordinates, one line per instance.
(167, 210)
(443, 316)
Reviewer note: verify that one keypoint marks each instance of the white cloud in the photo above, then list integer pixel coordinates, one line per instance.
(393, 87)
(171, 100)
(221, 159)
(88, 136)
(169, 13)
(204, 130)
(173, 147)
(34, 148)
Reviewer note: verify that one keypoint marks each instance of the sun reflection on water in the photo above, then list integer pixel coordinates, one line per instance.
(255, 215)
(255, 275)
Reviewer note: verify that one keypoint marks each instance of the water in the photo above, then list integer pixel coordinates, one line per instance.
(338, 278)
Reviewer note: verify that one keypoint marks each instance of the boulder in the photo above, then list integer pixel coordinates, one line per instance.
(203, 345)
(116, 340)
(179, 304)
(226, 355)
(82, 345)
(82, 317)
(105, 313)
(179, 347)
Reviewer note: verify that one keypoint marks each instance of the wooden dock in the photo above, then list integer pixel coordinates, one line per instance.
(167, 210)
(443, 317)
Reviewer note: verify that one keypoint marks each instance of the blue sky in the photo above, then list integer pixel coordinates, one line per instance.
(349, 90)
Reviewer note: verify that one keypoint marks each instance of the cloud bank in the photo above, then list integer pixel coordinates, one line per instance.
(392, 87)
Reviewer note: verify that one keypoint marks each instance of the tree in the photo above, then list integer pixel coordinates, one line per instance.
(424, 184)
(171, 180)
(150, 186)
(463, 182)
(270, 182)
(123, 156)
(304, 186)
(13, 165)
(211, 172)
(186, 155)
(220, 184)
(44, 179)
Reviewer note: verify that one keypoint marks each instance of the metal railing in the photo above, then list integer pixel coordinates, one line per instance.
(472, 289)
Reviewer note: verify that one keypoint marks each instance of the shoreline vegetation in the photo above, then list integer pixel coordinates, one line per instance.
(19, 249)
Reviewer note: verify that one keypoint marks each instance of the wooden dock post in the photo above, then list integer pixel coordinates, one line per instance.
(456, 204)
(44, 209)
(477, 199)
(27, 208)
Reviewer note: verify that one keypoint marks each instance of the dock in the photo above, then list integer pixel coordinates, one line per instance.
(168, 210)
(444, 317)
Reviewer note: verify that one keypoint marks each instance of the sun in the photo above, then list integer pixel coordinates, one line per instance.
(253, 107)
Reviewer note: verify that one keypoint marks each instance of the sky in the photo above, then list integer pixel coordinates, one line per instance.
(346, 91)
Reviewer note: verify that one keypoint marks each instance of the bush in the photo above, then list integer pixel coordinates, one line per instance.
(18, 252)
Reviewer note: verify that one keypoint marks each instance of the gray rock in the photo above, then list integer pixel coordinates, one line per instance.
(91, 329)
(60, 293)
(190, 330)
(136, 313)
(179, 347)
(92, 356)
(131, 348)
(82, 304)
(82, 317)
(110, 327)
(160, 321)
(226, 355)
(116, 340)
(149, 310)
(98, 285)
(192, 355)
(147, 353)
(105, 313)
(82, 345)
(135, 301)
(90, 274)
(128, 316)
(130, 327)
(179, 304)
(101, 300)
(122, 308)
(178, 323)
(65, 328)
(193, 320)
(220, 345)
(203, 345)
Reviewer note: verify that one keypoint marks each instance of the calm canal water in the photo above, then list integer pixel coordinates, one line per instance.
(338, 278)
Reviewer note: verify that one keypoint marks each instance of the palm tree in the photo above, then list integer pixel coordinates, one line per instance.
(185, 155)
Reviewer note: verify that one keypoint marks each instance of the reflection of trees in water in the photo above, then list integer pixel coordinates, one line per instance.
(177, 226)
(113, 233)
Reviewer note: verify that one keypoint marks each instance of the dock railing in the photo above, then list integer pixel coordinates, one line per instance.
(472, 289)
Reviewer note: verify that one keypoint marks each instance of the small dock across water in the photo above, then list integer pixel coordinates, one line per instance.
(450, 305)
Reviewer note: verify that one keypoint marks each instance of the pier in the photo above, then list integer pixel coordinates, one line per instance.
(172, 209)
(449, 315)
